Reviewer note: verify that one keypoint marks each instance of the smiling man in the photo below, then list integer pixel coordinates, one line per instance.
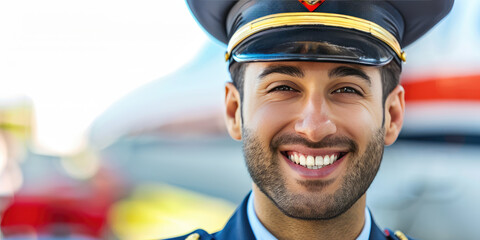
(315, 97)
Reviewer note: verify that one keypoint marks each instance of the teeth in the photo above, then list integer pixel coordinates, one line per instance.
(326, 160)
(312, 162)
(333, 158)
(302, 160)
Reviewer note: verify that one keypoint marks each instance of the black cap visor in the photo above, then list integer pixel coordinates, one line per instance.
(314, 43)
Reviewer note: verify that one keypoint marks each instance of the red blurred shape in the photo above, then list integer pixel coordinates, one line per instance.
(458, 88)
(55, 215)
(62, 208)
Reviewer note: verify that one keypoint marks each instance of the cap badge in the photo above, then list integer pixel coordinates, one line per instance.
(311, 5)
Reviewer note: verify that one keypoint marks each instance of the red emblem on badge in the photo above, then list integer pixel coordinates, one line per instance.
(311, 5)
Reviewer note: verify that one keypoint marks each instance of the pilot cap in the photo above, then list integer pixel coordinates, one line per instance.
(368, 32)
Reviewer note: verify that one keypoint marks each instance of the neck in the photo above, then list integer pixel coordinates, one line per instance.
(346, 226)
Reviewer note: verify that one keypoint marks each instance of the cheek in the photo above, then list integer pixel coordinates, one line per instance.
(359, 122)
(270, 118)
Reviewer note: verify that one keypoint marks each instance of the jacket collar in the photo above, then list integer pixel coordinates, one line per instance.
(239, 228)
(375, 232)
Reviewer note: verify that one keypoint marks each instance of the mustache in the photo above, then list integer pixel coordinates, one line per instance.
(330, 141)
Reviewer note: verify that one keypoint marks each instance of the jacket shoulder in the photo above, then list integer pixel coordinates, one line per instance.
(198, 234)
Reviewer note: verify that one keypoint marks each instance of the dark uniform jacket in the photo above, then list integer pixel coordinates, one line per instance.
(238, 228)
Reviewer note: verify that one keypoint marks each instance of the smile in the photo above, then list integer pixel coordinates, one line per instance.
(313, 162)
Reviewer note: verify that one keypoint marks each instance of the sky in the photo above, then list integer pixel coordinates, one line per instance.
(73, 59)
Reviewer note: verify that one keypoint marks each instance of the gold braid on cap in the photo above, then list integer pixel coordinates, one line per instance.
(313, 18)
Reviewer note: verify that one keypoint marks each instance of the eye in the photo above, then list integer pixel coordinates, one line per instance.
(347, 90)
(282, 88)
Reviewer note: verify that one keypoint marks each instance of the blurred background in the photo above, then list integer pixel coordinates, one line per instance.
(111, 126)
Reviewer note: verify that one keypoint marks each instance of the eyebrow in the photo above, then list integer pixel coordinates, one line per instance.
(344, 71)
(282, 69)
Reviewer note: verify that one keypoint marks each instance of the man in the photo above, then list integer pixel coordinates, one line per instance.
(315, 97)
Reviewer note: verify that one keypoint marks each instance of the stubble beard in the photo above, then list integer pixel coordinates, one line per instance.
(264, 168)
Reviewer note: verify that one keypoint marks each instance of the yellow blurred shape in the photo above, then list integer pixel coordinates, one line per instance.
(17, 118)
(161, 211)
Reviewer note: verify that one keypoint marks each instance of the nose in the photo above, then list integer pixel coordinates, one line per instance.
(315, 121)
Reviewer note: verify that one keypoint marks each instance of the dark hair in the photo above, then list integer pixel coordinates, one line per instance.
(237, 73)
(390, 75)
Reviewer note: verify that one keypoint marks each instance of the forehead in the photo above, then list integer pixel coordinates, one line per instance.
(258, 71)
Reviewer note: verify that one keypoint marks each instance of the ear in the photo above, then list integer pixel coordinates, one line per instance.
(233, 111)
(394, 113)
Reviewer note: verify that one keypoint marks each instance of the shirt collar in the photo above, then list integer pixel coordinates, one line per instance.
(261, 232)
